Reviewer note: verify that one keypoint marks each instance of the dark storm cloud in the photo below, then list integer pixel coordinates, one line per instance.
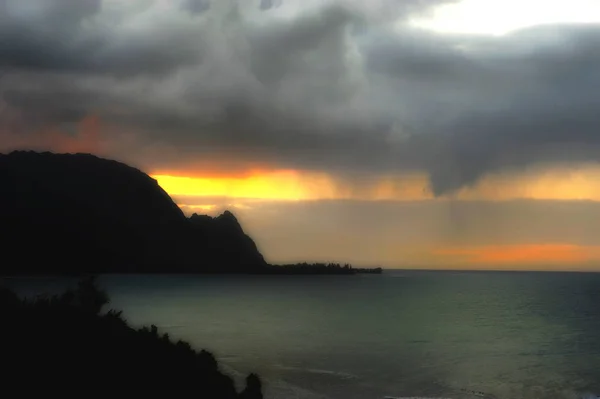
(73, 36)
(196, 6)
(59, 13)
(344, 87)
(494, 104)
(548, 114)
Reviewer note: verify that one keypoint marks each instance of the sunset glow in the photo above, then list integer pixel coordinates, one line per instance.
(575, 183)
(531, 254)
(279, 185)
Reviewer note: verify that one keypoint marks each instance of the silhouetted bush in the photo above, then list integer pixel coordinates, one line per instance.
(63, 345)
(318, 268)
(253, 388)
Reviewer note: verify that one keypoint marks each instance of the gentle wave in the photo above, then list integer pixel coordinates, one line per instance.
(340, 374)
(276, 388)
(413, 397)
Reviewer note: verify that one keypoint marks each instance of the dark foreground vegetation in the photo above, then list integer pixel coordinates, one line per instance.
(320, 268)
(65, 346)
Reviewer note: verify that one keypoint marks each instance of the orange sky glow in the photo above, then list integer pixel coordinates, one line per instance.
(528, 255)
(581, 183)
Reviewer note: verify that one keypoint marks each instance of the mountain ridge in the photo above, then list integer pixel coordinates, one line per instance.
(91, 214)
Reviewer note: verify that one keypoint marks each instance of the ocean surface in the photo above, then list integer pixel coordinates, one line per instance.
(427, 334)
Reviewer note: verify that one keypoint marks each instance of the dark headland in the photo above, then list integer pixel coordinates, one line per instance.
(81, 214)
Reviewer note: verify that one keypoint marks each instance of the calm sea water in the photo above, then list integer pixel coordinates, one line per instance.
(436, 334)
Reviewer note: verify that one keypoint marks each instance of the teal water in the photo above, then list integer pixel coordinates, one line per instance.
(507, 335)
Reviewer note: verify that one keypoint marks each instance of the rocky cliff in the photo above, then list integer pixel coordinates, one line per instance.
(73, 213)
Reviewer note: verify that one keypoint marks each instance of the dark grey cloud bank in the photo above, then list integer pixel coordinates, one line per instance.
(344, 87)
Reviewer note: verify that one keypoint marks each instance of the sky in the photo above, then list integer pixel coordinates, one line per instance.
(419, 133)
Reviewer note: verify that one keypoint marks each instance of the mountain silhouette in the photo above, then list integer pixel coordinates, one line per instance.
(78, 213)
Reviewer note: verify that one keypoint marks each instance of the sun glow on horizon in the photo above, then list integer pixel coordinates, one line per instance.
(557, 183)
(272, 185)
(254, 194)
(531, 255)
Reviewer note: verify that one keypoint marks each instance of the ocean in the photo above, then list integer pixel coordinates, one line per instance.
(459, 335)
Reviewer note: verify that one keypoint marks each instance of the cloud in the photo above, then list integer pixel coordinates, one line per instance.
(344, 87)
(196, 6)
(85, 136)
(96, 37)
